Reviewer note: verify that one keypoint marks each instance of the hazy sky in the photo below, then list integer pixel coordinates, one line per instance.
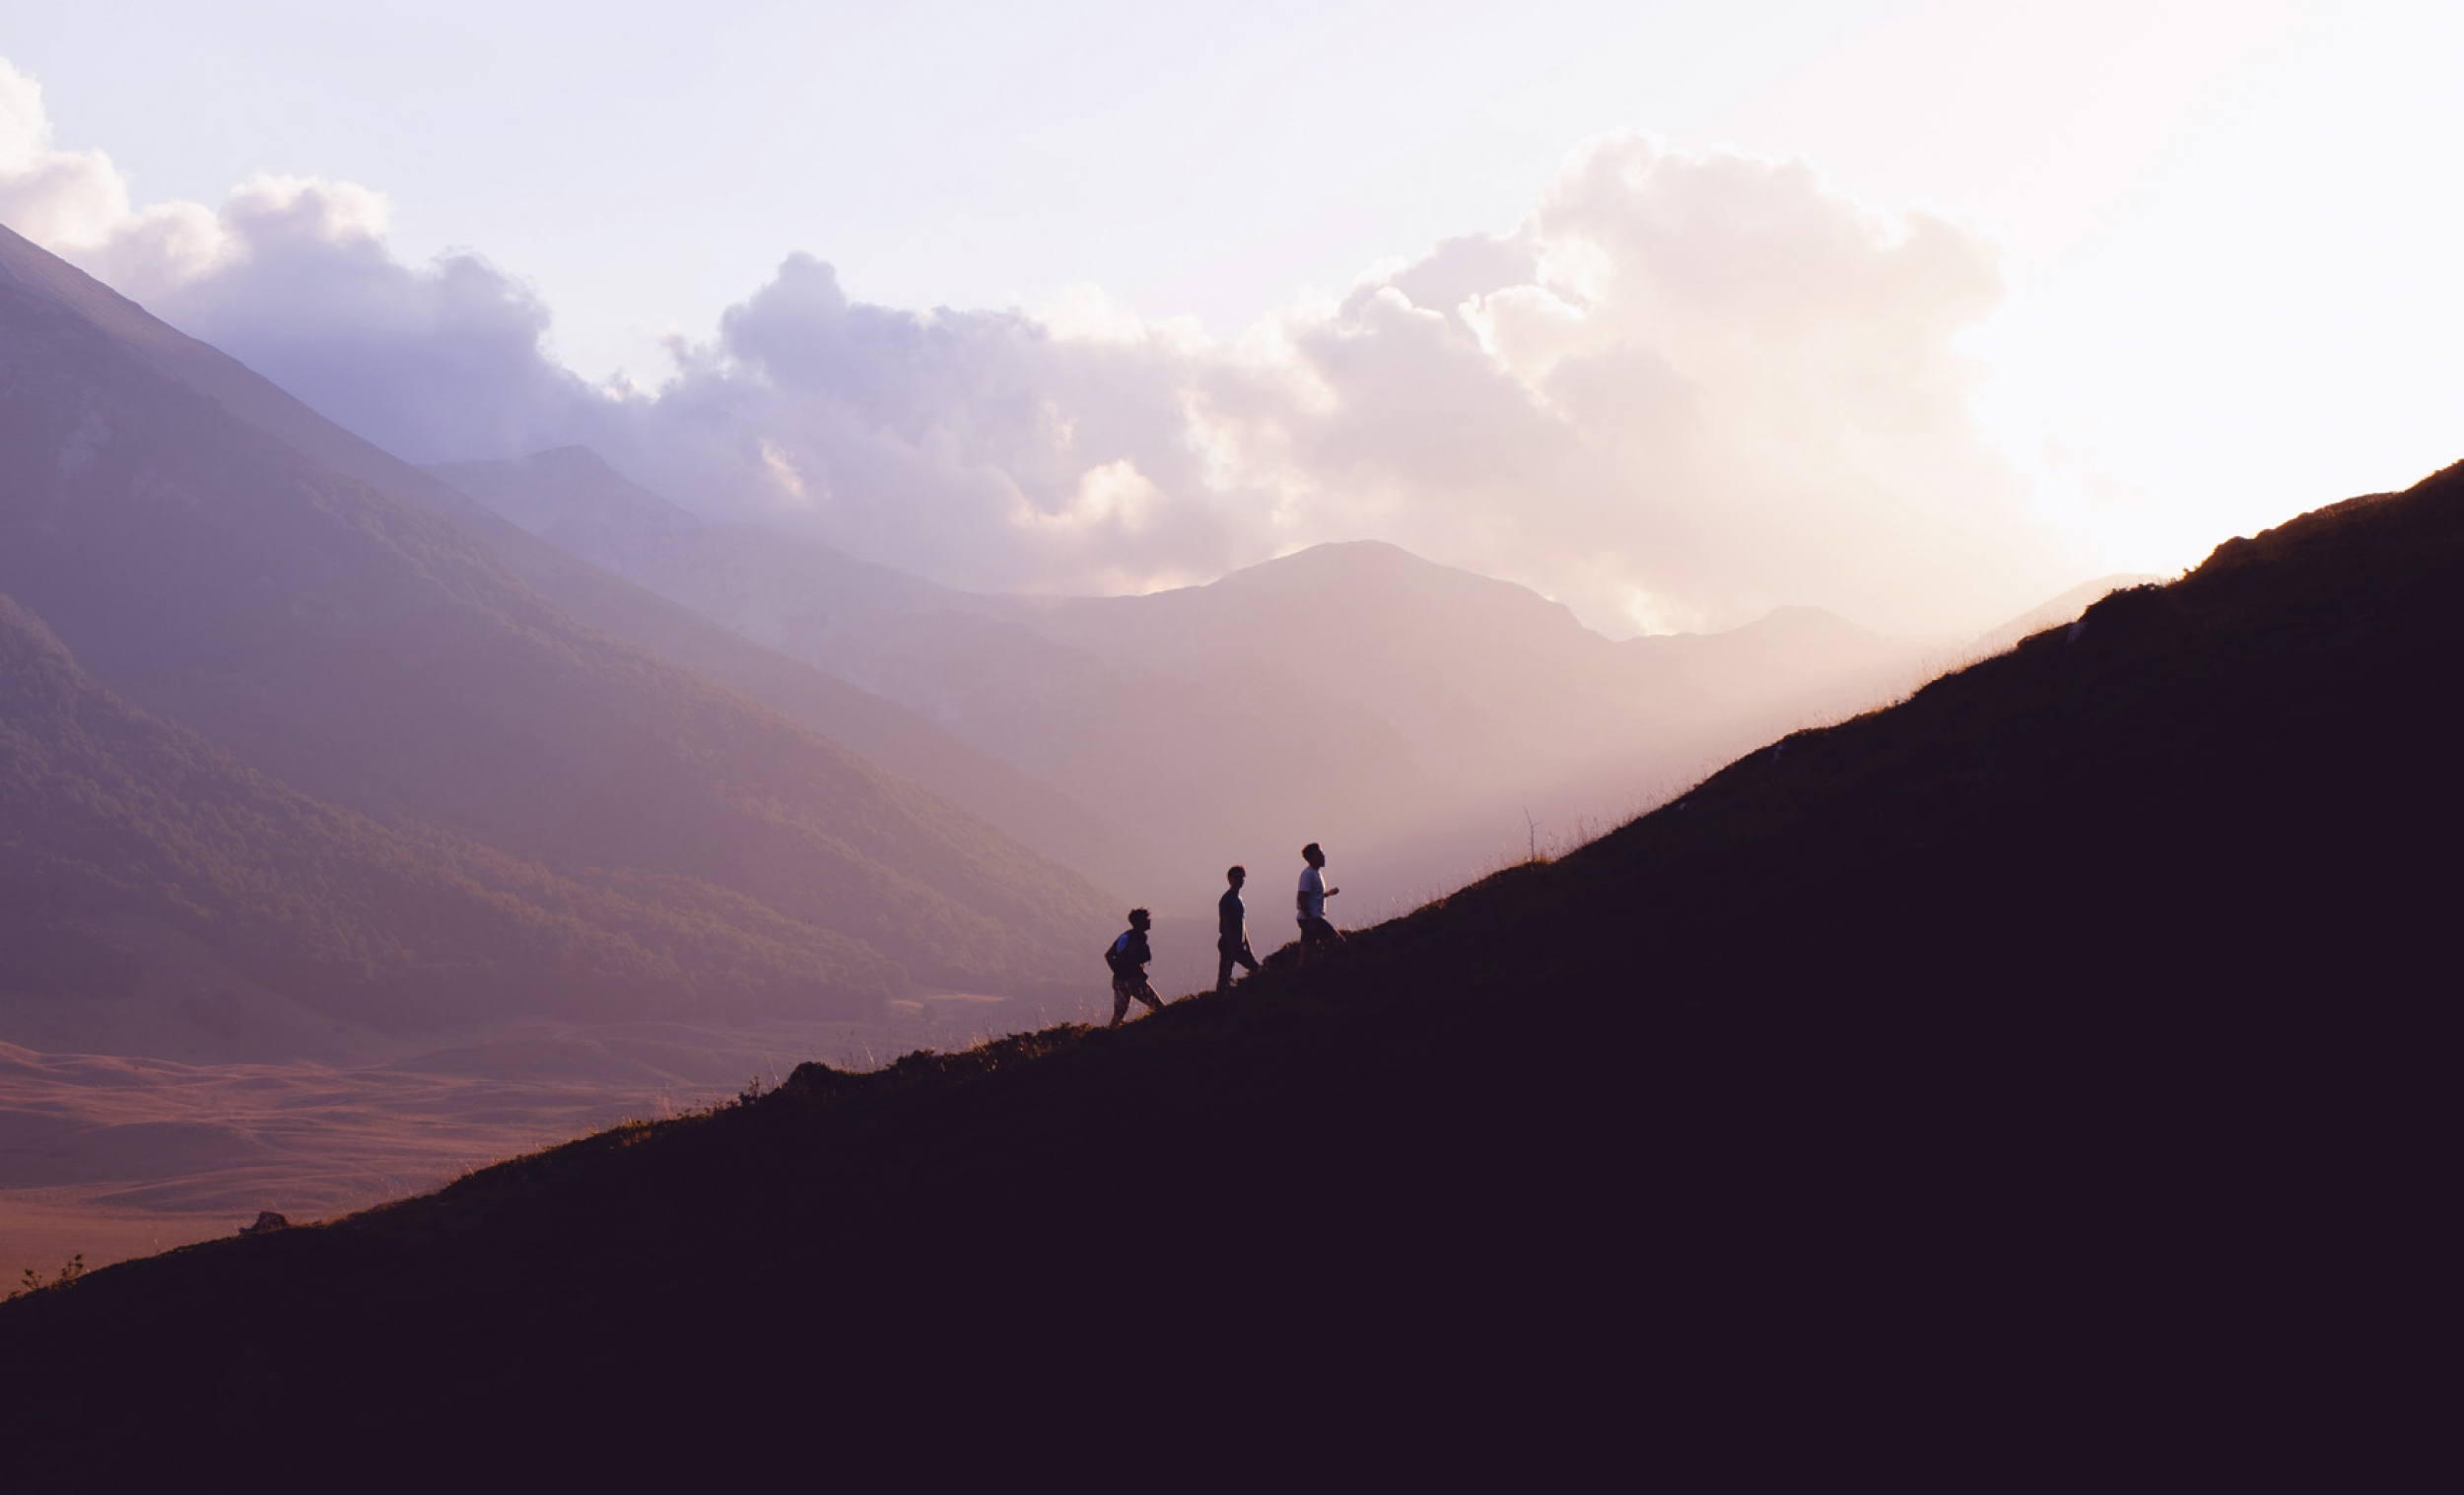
(1907, 309)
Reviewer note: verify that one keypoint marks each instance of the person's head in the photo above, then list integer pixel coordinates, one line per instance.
(1139, 918)
(1312, 856)
(1236, 875)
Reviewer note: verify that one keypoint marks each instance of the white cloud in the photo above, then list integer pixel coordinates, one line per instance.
(293, 276)
(1687, 388)
(1114, 494)
(48, 196)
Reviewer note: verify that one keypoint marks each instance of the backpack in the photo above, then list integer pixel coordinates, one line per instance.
(1114, 952)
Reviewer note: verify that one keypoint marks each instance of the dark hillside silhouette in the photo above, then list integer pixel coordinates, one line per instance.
(373, 656)
(2059, 611)
(2058, 1056)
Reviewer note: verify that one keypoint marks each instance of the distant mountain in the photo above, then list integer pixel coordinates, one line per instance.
(2058, 1059)
(137, 860)
(377, 657)
(889, 734)
(1407, 714)
(765, 585)
(1492, 685)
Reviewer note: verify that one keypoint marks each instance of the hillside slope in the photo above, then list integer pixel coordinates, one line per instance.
(2051, 1056)
(114, 824)
(373, 656)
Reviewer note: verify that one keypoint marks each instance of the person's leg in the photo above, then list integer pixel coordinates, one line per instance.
(1317, 935)
(1225, 955)
(1247, 958)
(1120, 1003)
(1146, 995)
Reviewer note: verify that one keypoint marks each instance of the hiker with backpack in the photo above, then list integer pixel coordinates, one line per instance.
(1232, 932)
(1315, 932)
(1127, 956)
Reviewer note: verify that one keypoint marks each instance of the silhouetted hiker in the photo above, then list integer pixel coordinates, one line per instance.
(1232, 931)
(1128, 958)
(1315, 931)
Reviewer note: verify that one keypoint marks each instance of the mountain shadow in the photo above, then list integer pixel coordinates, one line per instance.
(2056, 1056)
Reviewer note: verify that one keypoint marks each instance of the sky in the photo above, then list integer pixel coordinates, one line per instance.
(1920, 312)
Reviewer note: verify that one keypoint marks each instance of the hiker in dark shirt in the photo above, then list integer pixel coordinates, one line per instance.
(1232, 931)
(1316, 933)
(1128, 958)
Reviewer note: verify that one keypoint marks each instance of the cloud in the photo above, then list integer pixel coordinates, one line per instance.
(1705, 381)
(291, 275)
(979, 448)
(1687, 388)
(48, 196)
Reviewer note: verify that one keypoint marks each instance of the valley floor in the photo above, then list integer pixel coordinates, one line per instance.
(119, 1156)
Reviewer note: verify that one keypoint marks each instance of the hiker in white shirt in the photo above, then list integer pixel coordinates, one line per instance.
(1315, 932)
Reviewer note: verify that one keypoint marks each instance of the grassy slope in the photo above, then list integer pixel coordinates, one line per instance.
(2054, 1040)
